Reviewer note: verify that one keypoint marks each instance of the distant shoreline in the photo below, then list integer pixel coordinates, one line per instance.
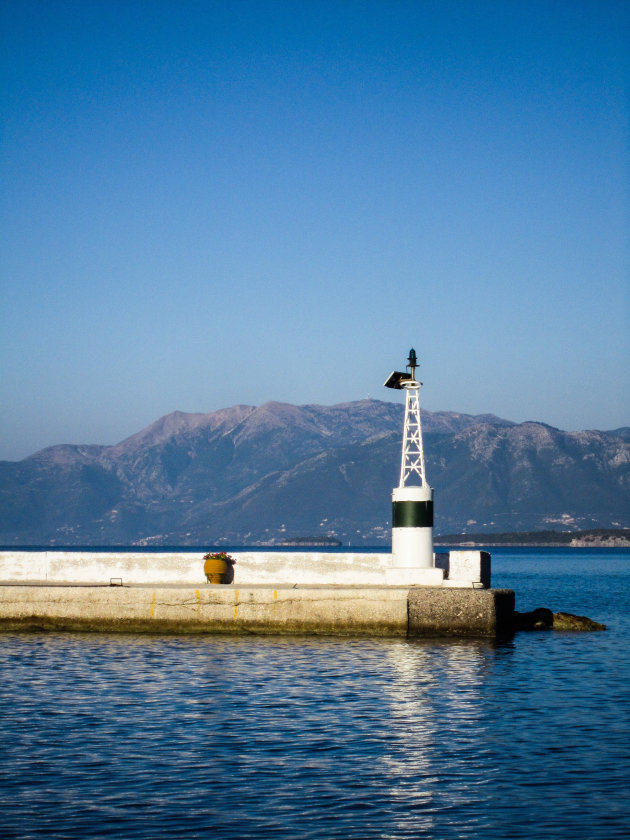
(593, 538)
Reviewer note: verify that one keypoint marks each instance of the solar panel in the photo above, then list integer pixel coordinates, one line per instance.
(396, 380)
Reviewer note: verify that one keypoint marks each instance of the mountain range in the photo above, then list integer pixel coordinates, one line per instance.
(250, 475)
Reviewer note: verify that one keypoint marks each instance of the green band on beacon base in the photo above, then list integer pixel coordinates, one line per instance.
(413, 514)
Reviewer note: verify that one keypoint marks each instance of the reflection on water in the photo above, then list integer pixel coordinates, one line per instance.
(304, 738)
(323, 738)
(434, 708)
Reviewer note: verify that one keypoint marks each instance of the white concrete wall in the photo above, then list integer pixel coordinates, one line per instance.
(466, 568)
(100, 567)
(256, 567)
(328, 568)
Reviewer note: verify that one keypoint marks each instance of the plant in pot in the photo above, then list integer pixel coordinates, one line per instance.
(218, 567)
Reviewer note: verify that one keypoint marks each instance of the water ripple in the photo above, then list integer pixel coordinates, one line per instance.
(135, 736)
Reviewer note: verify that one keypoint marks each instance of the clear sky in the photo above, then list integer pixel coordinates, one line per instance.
(210, 203)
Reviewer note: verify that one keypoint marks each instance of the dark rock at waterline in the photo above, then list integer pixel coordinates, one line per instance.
(567, 621)
(543, 619)
(539, 619)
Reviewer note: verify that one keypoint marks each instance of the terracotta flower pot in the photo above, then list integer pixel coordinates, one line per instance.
(215, 570)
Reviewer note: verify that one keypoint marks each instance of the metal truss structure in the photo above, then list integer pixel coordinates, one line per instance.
(412, 463)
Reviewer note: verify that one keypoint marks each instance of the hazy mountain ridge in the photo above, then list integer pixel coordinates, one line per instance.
(260, 474)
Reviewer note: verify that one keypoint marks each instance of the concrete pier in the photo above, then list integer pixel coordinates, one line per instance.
(323, 593)
(394, 611)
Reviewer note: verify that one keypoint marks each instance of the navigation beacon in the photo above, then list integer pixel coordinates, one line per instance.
(412, 500)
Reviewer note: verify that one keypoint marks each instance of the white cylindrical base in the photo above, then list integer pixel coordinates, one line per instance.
(412, 548)
(412, 532)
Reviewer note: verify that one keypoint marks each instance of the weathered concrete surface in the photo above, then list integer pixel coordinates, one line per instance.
(373, 611)
(468, 567)
(254, 567)
(100, 567)
(462, 568)
(317, 610)
(329, 568)
(459, 612)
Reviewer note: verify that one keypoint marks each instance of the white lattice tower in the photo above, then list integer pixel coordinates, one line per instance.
(412, 463)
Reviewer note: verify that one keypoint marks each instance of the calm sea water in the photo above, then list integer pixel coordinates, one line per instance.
(231, 737)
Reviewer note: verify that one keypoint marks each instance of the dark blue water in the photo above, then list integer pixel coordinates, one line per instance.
(145, 736)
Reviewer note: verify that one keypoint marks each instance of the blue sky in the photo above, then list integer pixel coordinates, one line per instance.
(212, 203)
